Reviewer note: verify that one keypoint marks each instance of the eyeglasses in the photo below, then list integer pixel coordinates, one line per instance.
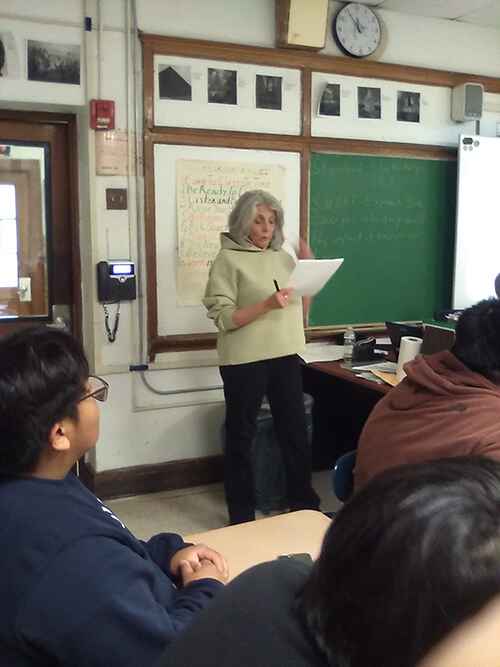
(98, 389)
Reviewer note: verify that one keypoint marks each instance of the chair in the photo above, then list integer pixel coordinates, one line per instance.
(342, 475)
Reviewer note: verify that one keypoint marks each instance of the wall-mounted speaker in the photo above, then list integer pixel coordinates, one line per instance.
(301, 24)
(467, 102)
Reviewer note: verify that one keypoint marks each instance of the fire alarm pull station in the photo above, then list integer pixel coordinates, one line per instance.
(102, 114)
(115, 283)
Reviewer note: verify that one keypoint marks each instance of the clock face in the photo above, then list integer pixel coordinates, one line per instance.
(356, 30)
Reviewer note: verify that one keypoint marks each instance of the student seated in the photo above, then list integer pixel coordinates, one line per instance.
(407, 559)
(76, 587)
(448, 404)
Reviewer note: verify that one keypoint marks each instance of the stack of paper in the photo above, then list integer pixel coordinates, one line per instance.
(385, 371)
(322, 352)
(388, 378)
(310, 275)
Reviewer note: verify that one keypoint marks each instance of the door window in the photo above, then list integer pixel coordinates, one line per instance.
(23, 231)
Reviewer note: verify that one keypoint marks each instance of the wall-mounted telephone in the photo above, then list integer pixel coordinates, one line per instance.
(116, 281)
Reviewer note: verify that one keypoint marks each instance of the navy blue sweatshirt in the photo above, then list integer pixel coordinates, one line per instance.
(77, 588)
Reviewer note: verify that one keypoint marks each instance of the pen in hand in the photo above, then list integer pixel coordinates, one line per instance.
(276, 285)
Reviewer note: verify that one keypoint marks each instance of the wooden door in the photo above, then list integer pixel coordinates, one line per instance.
(46, 219)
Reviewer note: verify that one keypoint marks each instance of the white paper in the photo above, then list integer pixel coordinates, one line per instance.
(311, 275)
(322, 352)
(384, 366)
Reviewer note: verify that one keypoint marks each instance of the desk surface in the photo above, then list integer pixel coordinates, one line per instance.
(335, 369)
(248, 544)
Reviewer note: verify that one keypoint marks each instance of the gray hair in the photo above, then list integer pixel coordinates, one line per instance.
(243, 215)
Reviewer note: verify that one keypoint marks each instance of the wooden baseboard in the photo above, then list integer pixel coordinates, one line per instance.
(150, 478)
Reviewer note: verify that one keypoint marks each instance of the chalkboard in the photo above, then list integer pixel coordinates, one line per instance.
(392, 219)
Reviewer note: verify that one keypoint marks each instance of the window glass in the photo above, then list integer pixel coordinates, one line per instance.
(8, 236)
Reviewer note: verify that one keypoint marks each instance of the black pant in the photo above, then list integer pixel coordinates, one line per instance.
(244, 388)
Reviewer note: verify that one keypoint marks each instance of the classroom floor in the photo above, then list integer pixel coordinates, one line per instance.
(192, 510)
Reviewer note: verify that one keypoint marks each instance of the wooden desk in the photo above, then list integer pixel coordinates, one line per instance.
(334, 368)
(248, 544)
(342, 403)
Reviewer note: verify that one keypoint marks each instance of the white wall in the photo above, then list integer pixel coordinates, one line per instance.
(138, 426)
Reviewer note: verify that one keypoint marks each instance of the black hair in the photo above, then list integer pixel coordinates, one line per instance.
(413, 554)
(477, 342)
(43, 373)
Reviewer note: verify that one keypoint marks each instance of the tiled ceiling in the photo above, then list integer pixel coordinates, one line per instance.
(481, 12)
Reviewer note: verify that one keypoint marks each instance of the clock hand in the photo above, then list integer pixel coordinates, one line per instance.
(355, 21)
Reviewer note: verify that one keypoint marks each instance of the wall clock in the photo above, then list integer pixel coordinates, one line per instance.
(356, 30)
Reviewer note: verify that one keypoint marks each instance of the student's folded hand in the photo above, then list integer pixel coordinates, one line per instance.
(197, 553)
(205, 569)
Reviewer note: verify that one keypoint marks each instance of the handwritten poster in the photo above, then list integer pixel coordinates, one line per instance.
(206, 193)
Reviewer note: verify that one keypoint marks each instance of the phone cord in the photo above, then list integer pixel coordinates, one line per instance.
(111, 333)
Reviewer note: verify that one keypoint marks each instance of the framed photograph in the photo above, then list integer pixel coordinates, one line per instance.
(221, 86)
(3, 57)
(268, 92)
(408, 106)
(329, 103)
(174, 82)
(9, 57)
(369, 105)
(53, 63)
(221, 95)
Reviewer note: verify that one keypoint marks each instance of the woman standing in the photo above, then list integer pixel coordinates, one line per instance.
(260, 333)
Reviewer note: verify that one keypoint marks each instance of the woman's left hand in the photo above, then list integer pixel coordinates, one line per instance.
(304, 251)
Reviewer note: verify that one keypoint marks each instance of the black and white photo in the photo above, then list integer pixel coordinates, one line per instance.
(369, 102)
(53, 63)
(329, 104)
(2, 56)
(9, 56)
(408, 108)
(268, 92)
(222, 86)
(174, 82)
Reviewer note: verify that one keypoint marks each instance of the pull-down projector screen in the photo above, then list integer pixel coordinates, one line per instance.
(477, 243)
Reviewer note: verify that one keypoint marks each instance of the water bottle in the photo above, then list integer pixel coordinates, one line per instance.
(349, 340)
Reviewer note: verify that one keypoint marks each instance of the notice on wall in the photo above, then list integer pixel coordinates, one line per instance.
(206, 193)
(111, 153)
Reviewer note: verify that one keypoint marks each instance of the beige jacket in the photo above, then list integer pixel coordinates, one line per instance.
(241, 276)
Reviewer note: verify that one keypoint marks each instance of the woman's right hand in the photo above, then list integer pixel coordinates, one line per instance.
(280, 299)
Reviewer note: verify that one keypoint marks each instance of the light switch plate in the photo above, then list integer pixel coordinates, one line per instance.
(116, 199)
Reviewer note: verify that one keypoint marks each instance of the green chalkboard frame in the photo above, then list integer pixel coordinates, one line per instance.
(392, 219)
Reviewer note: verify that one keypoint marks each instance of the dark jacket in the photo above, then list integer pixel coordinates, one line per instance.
(254, 622)
(440, 409)
(77, 588)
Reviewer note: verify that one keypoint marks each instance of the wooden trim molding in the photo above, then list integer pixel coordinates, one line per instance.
(137, 480)
(305, 144)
